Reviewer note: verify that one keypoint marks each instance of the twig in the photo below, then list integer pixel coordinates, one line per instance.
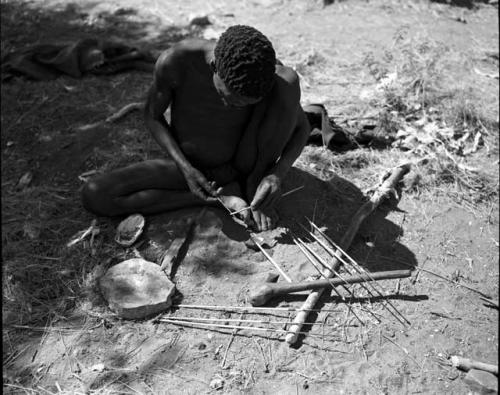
(444, 278)
(490, 301)
(185, 378)
(282, 196)
(404, 350)
(231, 339)
(113, 117)
(292, 191)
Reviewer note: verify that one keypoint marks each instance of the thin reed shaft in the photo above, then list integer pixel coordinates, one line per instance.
(252, 328)
(333, 254)
(310, 258)
(240, 320)
(359, 269)
(249, 309)
(320, 260)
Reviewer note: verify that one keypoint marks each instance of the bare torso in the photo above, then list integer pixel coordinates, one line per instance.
(207, 130)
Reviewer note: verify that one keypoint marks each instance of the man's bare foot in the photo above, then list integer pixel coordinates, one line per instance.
(237, 204)
(264, 220)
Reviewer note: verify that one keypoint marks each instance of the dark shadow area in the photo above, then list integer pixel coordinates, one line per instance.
(470, 4)
(54, 108)
(25, 24)
(329, 204)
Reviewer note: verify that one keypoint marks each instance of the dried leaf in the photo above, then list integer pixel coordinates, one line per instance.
(25, 180)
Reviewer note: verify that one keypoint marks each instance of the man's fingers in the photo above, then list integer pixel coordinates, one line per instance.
(259, 197)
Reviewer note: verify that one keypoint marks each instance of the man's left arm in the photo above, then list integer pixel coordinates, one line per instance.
(269, 189)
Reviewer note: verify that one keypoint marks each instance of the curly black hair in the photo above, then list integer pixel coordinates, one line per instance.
(245, 60)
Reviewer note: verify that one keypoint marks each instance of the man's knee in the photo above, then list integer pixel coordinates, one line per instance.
(94, 198)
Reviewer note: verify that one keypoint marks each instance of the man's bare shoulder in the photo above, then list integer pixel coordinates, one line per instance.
(287, 73)
(287, 83)
(190, 52)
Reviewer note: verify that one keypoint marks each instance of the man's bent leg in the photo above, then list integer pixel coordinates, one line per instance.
(148, 187)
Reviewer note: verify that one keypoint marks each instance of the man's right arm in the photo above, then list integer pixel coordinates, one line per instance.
(167, 77)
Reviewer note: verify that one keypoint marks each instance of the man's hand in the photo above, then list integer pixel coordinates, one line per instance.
(199, 185)
(268, 192)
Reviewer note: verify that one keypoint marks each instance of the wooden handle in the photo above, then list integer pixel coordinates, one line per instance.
(280, 289)
(266, 291)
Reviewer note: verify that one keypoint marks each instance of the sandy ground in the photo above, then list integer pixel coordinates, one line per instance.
(100, 353)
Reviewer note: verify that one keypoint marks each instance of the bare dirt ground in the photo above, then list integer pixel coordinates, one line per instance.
(359, 58)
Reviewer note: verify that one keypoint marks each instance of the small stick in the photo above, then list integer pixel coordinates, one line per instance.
(292, 191)
(446, 279)
(252, 328)
(468, 364)
(231, 339)
(248, 309)
(490, 301)
(359, 269)
(239, 211)
(282, 196)
(404, 350)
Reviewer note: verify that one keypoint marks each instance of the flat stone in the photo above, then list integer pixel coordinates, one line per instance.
(482, 382)
(135, 289)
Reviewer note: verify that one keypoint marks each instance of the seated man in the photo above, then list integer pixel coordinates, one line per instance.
(236, 128)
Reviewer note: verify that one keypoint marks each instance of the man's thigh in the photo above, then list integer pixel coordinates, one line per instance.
(150, 174)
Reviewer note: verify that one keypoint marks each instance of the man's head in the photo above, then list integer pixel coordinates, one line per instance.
(244, 65)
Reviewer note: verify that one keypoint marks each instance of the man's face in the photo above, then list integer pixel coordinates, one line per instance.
(230, 98)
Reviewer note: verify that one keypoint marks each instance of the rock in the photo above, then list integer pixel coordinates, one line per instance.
(136, 289)
(482, 382)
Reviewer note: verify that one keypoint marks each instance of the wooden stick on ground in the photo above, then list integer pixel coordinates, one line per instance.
(387, 187)
(231, 339)
(468, 364)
